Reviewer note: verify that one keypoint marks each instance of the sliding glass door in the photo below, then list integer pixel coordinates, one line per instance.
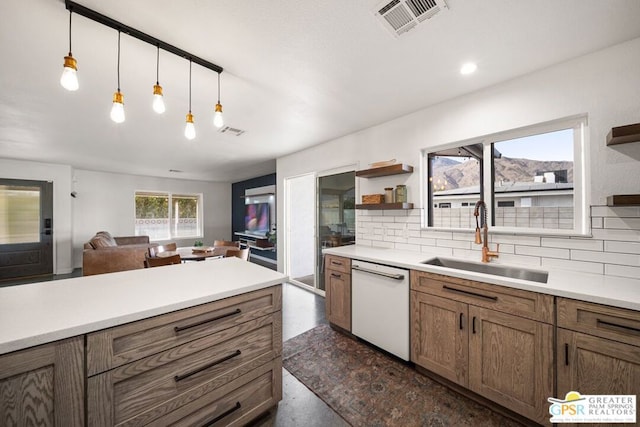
(336, 218)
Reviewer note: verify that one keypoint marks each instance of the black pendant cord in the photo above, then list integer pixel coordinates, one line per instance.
(189, 86)
(158, 66)
(71, 13)
(218, 88)
(118, 61)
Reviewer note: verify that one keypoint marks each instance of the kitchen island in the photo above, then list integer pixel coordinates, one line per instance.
(189, 343)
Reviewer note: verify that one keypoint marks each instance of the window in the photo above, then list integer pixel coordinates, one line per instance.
(164, 216)
(533, 178)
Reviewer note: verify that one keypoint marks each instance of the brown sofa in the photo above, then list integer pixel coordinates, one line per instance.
(106, 254)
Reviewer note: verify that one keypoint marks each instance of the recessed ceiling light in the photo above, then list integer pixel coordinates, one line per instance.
(468, 68)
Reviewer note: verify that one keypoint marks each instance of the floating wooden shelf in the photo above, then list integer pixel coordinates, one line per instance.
(380, 206)
(624, 134)
(623, 200)
(385, 171)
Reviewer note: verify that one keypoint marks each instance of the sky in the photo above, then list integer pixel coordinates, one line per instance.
(556, 145)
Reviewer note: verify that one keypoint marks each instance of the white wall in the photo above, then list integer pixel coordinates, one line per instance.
(60, 175)
(105, 201)
(605, 85)
(301, 225)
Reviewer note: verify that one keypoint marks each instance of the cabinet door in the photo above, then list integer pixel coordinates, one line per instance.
(338, 298)
(439, 336)
(593, 365)
(511, 361)
(44, 385)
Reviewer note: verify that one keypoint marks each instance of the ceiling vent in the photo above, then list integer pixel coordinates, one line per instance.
(400, 16)
(231, 131)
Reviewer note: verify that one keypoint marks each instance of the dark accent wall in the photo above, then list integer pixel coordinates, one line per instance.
(237, 204)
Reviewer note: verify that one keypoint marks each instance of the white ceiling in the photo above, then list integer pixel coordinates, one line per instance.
(297, 73)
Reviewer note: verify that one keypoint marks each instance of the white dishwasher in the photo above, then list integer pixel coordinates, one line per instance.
(380, 306)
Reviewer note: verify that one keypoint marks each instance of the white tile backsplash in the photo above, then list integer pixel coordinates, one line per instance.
(613, 249)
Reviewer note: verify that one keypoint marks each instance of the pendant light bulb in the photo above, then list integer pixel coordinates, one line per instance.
(158, 99)
(117, 109)
(190, 128)
(218, 120)
(69, 78)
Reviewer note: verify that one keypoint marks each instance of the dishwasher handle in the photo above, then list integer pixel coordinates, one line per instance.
(379, 273)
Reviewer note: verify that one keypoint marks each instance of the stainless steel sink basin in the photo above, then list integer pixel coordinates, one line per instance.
(496, 270)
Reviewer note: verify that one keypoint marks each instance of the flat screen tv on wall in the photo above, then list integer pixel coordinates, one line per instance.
(256, 218)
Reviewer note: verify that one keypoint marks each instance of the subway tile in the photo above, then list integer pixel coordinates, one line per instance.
(413, 233)
(453, 243)
(437, 234)
(516, 240)
(572, 243)
(382, 244)
(586, 267)
(395, 239)
(407, 219)
(394, 225)
(597, 222)
(364, 242)
(623, 247)
(408, 247)
(365, 236)
(611, 234)
(415, 212)
(394, 212)
(467, 254)
(622, 223)
(378, 231)
(606, 257)
(463, 235)
(422, 241)
(524, 260)
(621, 211)
(363, 218)
(414, 226)
(542, 252)
(622, 270)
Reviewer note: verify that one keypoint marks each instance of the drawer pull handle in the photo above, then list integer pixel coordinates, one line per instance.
(337, 276)
(617, 328)
(473, 323)
(473, 294)
(566, 354)
(207, 366)
(379, 273)
(193, 325)
(460, 321)
(336, 262)
(222, 415)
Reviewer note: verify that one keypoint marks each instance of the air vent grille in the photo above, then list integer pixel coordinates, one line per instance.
(400, 16)
(231, 131)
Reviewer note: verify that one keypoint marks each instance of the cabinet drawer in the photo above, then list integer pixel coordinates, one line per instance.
(600, 320)
(337, 263)
(158, 384)
(234, 404)
(531, 305)
(117, 346)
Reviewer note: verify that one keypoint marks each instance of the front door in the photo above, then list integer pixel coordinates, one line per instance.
(26, 228)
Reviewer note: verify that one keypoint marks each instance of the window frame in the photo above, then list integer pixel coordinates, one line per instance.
(581, 223)
(170, 194)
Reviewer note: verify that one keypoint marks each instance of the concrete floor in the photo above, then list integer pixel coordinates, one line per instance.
(301, 310)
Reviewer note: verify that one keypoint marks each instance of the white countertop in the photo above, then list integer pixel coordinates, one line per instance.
(609, 290)
(42, 312)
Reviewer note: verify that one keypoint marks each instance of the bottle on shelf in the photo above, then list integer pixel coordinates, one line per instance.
(401, 193)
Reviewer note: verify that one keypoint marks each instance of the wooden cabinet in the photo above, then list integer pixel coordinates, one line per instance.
(598, 349)
(496, 341)
(338, 291)
(216, 361)
(43, 385)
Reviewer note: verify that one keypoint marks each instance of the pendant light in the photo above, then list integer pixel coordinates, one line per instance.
(117, 109)
(158, 101)
(190, 128)
(218, 120)
(69, 78)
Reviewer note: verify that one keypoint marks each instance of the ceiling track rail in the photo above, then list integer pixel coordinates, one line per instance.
(116, 25)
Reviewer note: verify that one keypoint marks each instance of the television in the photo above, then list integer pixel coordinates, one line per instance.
(256, 218)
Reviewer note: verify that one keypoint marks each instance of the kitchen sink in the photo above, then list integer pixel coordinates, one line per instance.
(496, 270)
